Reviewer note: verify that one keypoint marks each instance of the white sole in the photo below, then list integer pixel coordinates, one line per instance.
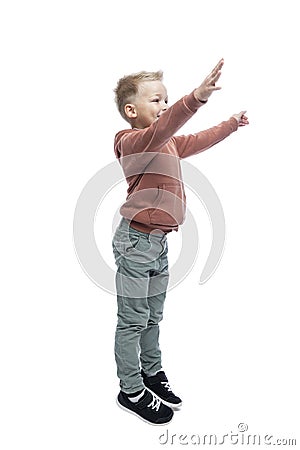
(137, 415)
(170, 405)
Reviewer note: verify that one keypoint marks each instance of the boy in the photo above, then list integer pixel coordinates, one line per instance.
(149, 153)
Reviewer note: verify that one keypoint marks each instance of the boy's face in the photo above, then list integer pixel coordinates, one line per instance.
(150, 102)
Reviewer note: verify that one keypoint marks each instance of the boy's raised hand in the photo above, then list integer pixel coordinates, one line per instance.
(208, 86)
(242, 120)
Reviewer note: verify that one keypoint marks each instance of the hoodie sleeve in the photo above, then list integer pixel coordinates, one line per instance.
(195, 143)
(152, 138)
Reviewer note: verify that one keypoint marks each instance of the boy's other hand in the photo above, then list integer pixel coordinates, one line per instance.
(242, 120)
(208, 86)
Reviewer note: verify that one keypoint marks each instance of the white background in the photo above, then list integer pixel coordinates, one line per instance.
(230, 347)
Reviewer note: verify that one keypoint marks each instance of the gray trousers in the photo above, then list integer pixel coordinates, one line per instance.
(141, 283)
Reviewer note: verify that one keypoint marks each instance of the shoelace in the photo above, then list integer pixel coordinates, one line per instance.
(166, 385)
(155, 404)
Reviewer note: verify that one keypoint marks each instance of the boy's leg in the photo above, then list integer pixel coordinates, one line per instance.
(137, 256)
(133, 315)
(132, 279)
(158, 283)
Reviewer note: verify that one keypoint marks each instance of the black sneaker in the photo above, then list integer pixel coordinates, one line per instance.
(149, 408)
(158, 384)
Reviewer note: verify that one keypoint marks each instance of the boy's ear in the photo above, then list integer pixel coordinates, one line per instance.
(130, 111)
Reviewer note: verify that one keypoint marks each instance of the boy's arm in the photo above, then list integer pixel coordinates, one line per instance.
(198, 142)
(152, 138)
(195, 143)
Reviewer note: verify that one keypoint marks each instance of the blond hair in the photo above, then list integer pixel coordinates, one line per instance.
(127, 88)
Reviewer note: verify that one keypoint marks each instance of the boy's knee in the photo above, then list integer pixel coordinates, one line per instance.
(135, 322)
(155, 319)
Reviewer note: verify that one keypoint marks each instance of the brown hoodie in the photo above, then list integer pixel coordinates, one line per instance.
(150, 159)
